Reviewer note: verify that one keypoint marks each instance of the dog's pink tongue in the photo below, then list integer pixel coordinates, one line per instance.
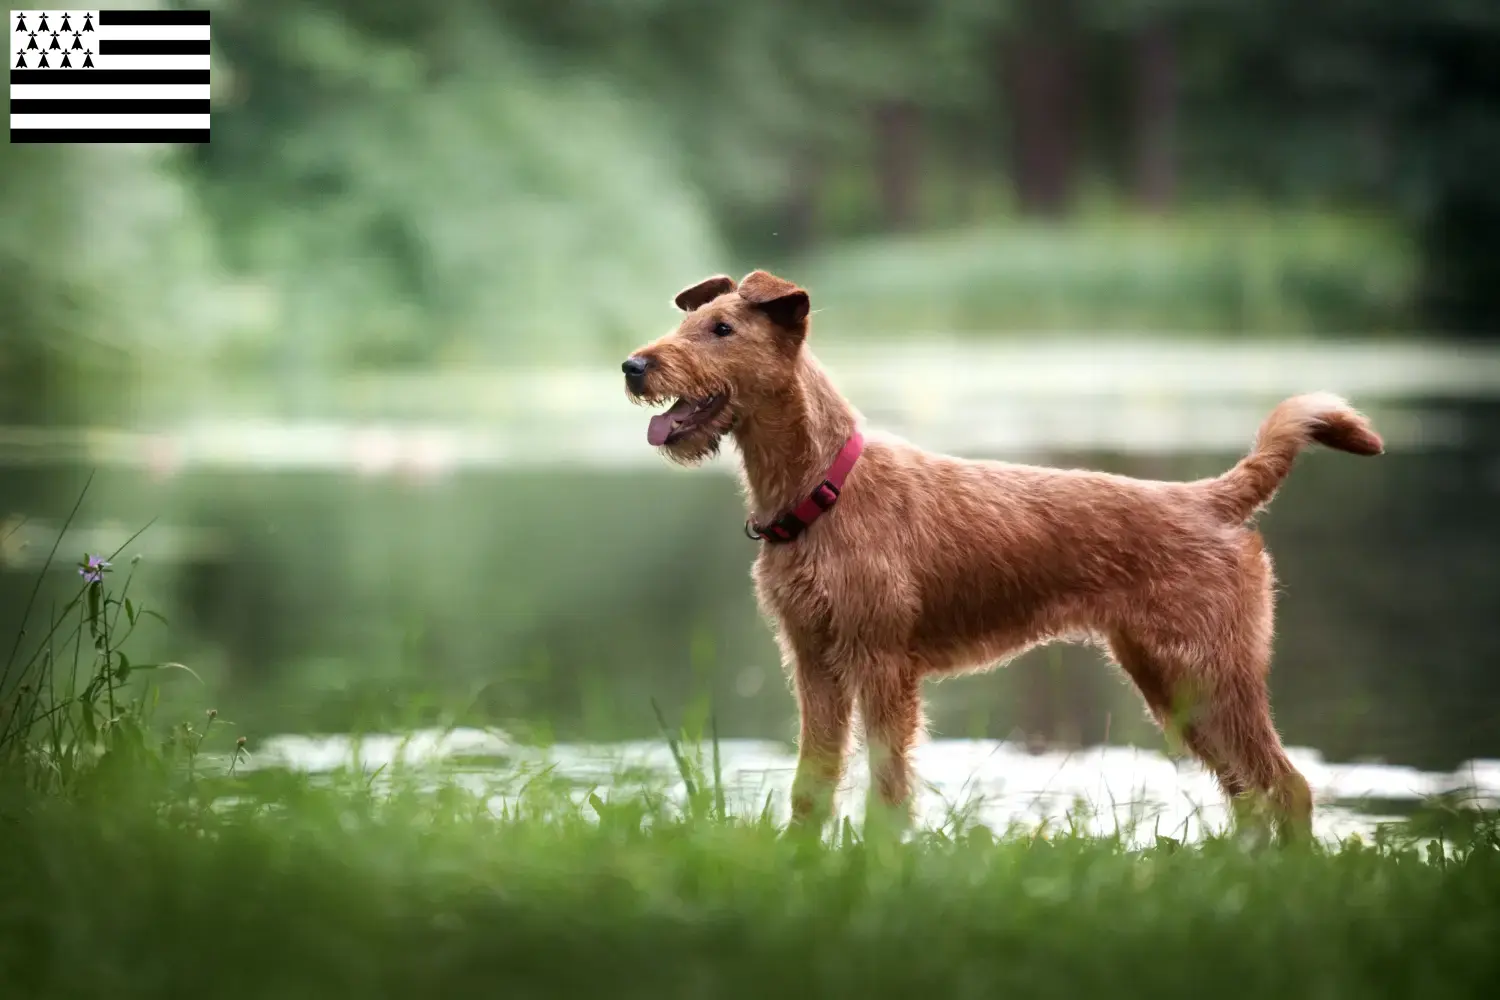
(663, 424)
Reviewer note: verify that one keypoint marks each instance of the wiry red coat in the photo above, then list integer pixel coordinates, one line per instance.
(931, 564)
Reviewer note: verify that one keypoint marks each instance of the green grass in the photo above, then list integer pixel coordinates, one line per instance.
(1222, 272)
(142, 862)
(299, 891)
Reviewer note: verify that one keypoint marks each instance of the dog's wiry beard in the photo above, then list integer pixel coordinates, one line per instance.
(701, 444)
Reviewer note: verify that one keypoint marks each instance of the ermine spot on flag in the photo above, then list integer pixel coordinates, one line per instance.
(112, 76)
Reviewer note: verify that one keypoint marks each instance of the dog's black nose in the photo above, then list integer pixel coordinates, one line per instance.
(634, 367)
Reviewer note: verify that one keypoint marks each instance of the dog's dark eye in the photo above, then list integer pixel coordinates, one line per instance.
(722, 329)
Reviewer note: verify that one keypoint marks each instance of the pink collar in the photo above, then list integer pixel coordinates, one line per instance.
(788, 526)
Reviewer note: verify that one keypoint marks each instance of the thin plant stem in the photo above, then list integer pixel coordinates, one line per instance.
(37, 587)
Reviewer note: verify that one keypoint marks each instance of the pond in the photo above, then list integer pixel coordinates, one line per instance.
(503, 548)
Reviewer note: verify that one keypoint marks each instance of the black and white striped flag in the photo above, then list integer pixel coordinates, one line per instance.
(108, 76)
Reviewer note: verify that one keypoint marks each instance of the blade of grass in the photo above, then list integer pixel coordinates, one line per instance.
(713, 729)
(682, 764)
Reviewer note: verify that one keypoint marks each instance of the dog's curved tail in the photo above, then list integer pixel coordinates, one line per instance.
(1315, 417)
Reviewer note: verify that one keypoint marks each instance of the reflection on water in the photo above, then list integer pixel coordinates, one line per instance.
(1105, 789)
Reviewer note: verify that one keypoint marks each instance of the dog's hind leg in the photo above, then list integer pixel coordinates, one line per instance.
(890, 708)
(1171, 708)
(1238, 719)
(1223, 715)
(1238, 723)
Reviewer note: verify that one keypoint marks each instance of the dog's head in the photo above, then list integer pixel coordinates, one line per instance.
(736, 345)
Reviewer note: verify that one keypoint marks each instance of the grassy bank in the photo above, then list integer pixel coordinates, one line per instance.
(1221, 272)
(143, 861)
(304, 892)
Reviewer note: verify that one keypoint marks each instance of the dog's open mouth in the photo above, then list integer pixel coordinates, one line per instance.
(683, 417)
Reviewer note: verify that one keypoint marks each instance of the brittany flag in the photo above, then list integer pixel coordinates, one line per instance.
(109, 76)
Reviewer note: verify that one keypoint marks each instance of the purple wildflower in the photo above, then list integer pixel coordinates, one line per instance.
(93, 568)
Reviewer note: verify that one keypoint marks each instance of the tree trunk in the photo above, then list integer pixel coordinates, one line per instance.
(897, 134)
(798, 228)
(1155, 75)
(1039, 74)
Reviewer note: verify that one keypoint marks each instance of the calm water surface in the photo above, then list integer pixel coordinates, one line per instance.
(1137, 792)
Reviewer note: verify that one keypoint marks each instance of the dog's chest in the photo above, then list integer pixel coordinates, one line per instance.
(831, 591)
(792, 585)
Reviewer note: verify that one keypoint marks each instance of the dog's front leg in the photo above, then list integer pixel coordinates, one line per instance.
(890, 705)
(826, 706)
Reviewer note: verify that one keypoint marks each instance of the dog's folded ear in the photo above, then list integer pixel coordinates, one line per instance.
(784, 302)
(703, 292)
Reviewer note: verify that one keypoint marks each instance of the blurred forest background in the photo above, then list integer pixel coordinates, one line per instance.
(462, 213)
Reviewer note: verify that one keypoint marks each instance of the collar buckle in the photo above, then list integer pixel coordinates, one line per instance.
(788, 526)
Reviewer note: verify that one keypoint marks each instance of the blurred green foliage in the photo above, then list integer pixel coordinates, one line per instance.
(446, 197)
(468, 181)
(104, 266)
(1223, 272)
